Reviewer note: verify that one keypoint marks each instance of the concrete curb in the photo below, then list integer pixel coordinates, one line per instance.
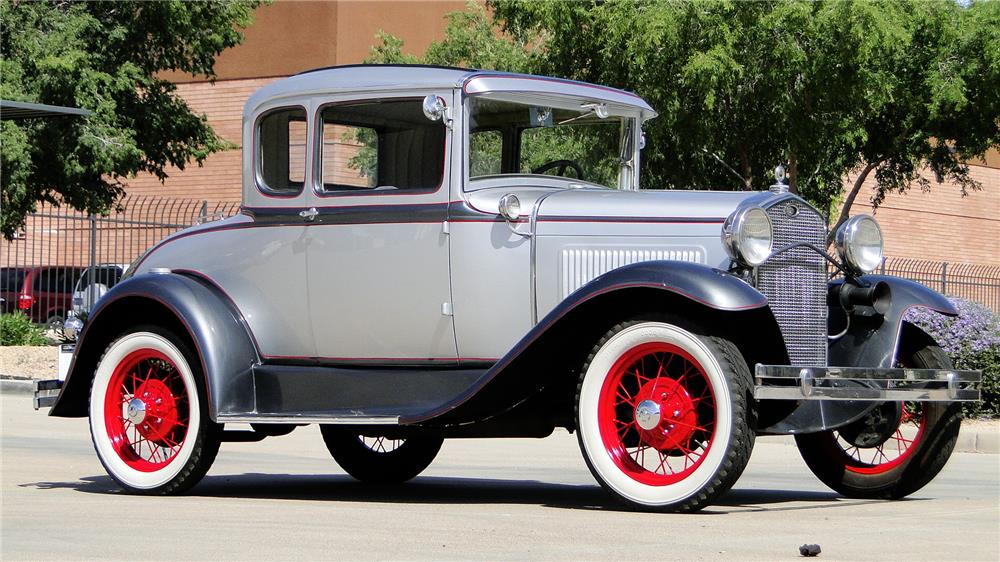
(977, 436)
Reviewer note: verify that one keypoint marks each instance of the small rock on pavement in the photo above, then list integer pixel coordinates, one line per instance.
(810, 550)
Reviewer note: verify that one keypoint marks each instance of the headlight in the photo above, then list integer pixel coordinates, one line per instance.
(859, 243)
(747, 236)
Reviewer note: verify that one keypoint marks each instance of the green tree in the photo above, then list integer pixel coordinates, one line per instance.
(105, 57)
(831, 89)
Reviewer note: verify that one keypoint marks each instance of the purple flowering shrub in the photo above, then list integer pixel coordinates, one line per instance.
(972, 339)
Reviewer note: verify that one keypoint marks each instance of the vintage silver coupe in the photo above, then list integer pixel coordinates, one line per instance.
(427, 253)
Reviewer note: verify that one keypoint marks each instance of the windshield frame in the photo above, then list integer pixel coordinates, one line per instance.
(628, 116)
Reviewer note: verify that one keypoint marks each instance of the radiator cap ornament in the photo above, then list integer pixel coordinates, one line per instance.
(779, 180)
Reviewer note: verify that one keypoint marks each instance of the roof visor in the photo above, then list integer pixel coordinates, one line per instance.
(618, 101)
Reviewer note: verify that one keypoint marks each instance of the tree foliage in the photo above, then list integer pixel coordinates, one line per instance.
(105, 57)
(829, 88)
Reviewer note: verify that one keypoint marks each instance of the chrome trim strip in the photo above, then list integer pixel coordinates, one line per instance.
(533, 238)
(339, 420)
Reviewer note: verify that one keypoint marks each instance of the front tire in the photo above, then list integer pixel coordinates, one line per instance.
(868, 460)
(377, 459)
(148, 417)
(665, 415)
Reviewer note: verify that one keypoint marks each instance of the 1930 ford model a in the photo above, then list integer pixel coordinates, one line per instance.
(428, 253)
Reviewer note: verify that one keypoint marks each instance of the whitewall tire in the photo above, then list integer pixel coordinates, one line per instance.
(148, 419)
(664, 415)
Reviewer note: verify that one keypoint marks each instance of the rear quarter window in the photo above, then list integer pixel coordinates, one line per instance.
(281, 151)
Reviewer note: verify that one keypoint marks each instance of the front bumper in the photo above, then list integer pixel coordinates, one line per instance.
(783, 382)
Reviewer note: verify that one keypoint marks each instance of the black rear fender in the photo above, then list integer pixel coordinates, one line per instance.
(189, 306)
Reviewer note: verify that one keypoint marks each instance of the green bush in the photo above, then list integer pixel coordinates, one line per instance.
(989, 361)
(972, 340)
(17, 329)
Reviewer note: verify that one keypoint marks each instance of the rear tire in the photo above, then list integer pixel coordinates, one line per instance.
(377, 459)
(901, 463)
(148, 416)
(665, 415)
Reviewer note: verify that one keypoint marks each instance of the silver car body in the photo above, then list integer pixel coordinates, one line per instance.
(468, 279)
(421, 273)
(404, 268)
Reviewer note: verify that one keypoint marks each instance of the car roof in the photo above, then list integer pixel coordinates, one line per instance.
(390, 77)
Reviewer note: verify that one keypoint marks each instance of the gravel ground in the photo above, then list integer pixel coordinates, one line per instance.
(31, 362)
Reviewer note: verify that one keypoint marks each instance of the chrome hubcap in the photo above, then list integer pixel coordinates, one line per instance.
(647, 414)
(136, 411)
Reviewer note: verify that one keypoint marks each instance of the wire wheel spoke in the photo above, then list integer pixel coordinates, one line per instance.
(896, 447)
(658, 413)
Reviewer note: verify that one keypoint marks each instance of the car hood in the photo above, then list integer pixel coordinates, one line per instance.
(586, 204)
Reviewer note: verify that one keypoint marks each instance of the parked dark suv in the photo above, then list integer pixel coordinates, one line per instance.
(44, 294)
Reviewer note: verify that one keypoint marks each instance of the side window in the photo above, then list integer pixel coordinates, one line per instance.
(349, 156)
(485, 153)
(281, 157)
(380, 145)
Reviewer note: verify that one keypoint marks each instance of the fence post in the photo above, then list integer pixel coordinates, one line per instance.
(944, 278)
(91, 286)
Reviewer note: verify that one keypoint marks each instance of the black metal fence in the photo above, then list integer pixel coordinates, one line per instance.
(61, 249)
(980, 283)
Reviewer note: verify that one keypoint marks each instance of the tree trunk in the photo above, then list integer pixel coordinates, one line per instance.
(793, 173)
(745, 170)
(845, 212)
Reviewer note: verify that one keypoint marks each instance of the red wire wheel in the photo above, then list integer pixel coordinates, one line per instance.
(146, 410)
(657, 413)
(662, 414)
(896, 448)
(148, 417)
(892, 452)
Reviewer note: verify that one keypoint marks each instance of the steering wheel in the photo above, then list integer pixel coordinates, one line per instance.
(560, 166)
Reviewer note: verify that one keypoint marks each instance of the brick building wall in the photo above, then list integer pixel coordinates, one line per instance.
(940, 224)
(219, 179)
(288, 37)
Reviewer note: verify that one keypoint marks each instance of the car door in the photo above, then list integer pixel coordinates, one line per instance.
(378, 252)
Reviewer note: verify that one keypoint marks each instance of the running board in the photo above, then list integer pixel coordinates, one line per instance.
(783, 382)
(310, 418)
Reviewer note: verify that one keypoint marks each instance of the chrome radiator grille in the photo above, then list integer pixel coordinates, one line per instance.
(794, 282)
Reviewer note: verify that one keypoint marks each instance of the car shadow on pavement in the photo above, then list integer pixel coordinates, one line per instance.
(451, 490)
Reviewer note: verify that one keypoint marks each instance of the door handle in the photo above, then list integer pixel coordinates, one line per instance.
(309, 214)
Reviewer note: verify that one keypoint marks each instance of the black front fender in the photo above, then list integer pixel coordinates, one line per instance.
(516, 375)
(184, 302)
(873, 340)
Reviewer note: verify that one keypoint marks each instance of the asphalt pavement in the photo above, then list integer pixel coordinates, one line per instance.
(285, 499)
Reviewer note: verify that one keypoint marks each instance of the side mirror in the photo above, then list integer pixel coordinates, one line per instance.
(434, 107)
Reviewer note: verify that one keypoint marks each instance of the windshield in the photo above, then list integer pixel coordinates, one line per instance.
(584, 144)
